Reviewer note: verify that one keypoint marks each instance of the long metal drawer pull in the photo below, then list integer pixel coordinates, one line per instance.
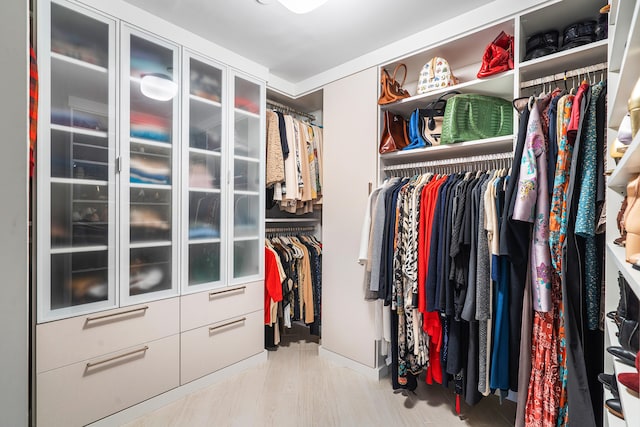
(120, 356)
(213, 328)
(120, 313)
(211, 294)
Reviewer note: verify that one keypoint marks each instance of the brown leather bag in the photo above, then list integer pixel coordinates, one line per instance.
(391, 90)
(394, 133)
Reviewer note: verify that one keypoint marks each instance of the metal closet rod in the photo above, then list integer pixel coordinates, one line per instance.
(565, 75)
(447, 162)
(290, 230)
(286, 109)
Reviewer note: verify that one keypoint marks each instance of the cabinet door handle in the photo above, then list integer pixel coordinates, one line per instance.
(233, 322)
(120, 313)
(212, 294)
(120, 356)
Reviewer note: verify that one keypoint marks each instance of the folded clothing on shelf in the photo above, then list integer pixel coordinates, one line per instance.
(147, 218)
(198, 231)
(76, 118)
(148, 126)
(145, 279)
(247, 105)
(73, 46)
(147, 171)
(200, 176)
(205, 86)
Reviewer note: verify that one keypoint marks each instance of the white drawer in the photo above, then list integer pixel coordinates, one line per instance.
(87, 391)
(207, 349)
(216, 305)
(68, 341)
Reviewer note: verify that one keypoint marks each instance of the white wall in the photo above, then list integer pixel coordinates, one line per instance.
(491, 13)
(350, 126)
(14, 350)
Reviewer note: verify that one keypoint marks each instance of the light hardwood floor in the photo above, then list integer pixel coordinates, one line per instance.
(296, 387)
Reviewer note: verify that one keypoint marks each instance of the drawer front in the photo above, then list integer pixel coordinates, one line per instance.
(87, 391)
(216, 305)
(207, 349)
(80, 338)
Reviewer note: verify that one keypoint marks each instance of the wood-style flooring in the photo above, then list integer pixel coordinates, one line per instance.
(296, 387)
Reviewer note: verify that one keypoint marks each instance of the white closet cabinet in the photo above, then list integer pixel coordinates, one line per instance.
(149, 153)
(149, 220)
(349, 134)
(624, 71)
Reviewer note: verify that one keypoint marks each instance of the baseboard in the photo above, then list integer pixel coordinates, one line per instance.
(372, 373)
(157, 402)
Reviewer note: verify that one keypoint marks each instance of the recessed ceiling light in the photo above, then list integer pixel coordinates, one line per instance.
(297, 6)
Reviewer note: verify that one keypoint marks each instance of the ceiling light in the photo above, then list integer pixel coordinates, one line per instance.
(302, 6)
(158, 86)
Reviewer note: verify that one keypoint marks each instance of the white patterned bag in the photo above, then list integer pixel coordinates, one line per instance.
(436, 74)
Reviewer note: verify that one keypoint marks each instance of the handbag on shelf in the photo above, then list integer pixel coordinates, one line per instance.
(433, 115)
(394, 133)
(391, 90)
(470, 116)
(416, 128)
(498, 56)
(436, 74)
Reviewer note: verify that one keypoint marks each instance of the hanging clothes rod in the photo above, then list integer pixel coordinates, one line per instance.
(290, 230)
(565, 75)
(288, 110)
(447, 162)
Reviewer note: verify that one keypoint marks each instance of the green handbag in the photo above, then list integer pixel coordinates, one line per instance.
(470, 116)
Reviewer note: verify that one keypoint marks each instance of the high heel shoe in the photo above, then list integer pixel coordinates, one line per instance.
(634, 108)
(632, 219)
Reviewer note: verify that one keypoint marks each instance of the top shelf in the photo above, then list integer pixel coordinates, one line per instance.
(571, 59)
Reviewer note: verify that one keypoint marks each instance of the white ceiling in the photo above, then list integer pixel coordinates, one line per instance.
(297, 47)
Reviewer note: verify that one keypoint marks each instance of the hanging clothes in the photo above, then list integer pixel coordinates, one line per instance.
(293, 283)
(294, 164)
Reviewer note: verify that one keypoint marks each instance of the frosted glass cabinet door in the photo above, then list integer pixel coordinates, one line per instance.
(149, 122)
(203, 165)
(76, 156)
(247, 179)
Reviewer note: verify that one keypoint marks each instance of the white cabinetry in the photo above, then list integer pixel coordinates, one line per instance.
(624, 72)
(148, 207)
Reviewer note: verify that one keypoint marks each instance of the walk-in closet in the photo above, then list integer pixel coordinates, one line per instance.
(320, 213)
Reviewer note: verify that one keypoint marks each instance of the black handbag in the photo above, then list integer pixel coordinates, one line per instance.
(433, 114)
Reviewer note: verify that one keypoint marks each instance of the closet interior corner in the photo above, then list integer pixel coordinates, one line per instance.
(293, 217)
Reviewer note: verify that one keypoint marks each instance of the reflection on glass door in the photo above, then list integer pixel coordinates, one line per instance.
(202, 177)
(76, 191)
(150, 199)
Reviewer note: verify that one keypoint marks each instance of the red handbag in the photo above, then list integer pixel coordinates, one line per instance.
(498, 56)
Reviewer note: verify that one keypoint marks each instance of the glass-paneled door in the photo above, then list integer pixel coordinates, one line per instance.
(247, 172)
(149, 156)
(203, 177)
(75, 174)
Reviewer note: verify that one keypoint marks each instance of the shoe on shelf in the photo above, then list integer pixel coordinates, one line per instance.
(632, 217)
(615, 407)
(631, 380)
(609, 382)
(634, 108)
(627, 357)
